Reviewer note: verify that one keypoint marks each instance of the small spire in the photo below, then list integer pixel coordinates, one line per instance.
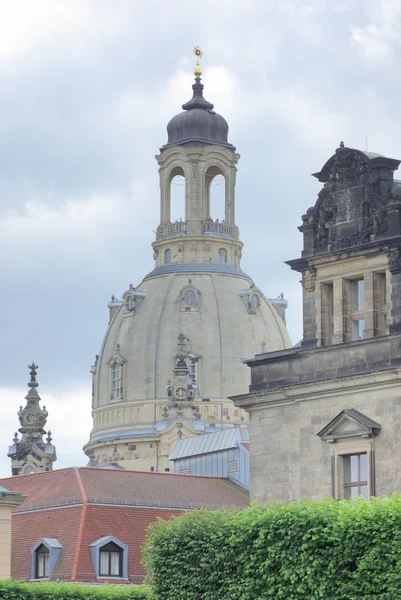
(198, 69)
(341, 144)
(15, 439)
(33, 383)
(49, 437)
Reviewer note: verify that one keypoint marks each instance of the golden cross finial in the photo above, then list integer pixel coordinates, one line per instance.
(198, 69)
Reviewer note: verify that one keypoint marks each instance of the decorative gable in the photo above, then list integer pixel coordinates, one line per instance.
(349, 424)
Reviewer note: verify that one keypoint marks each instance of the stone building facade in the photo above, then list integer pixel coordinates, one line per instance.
(174, 349)
(325, 416)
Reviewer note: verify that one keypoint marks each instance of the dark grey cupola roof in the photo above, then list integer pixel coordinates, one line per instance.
(199, 124)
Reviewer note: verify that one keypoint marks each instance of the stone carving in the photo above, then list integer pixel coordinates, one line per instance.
(394, 260)
(308, 280)
(351, 208)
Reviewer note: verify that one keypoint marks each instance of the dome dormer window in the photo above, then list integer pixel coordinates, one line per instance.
(117, 381)
(255, 302)
(222, 255)
(130, 303)
(116, 375)
(167, 256)
(189, 298)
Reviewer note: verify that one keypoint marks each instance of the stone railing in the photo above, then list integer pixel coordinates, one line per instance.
(219, 227)
(171, 230)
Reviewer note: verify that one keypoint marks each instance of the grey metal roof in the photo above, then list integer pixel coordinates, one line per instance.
(210, 442)
(52, 542)
(210, 267)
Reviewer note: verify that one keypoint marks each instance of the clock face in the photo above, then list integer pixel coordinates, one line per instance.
(30, 418)
(180, 392)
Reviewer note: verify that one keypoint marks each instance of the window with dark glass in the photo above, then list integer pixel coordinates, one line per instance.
(356, 475)
(42, 562)
(110, 560)
(357, 290)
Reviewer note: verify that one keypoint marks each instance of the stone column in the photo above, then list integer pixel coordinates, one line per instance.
(369, 306)
(338, 312)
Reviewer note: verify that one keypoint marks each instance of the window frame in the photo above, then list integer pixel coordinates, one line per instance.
(95, 549)
(358, 483)
(44, 552)
(356, 314)
(110, 549)
(352, 448)
(167, 256)
(223, 256)
(53, 547)
(116, 380)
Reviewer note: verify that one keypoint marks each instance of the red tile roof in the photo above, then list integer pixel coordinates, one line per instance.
(80, 505)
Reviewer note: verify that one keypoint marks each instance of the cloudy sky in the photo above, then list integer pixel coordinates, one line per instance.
(86, 90)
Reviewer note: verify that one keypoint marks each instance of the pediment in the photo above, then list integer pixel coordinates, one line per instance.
(116, 357)
(349, 424)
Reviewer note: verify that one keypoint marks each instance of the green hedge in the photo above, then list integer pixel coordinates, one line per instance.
(20, 590)
(348, 550)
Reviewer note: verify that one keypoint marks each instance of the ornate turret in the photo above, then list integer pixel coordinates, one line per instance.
(30, 453)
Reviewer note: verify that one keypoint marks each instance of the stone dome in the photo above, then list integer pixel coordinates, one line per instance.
(198, 124)
(221, 331)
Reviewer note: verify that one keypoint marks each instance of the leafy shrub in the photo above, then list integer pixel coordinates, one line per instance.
(20, 590)
(347, 550)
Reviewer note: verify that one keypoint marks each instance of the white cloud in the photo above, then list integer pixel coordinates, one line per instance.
(24, 24)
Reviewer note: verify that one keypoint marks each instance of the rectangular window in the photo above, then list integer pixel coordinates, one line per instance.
(114, 563)
(43, 565)
(356, 475)
(104, 563)
(327, 313)
(117, 382)
(357, 301)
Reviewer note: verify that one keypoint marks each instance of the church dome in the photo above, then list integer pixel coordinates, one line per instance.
(225, 320)
(198, 124)
(175, 347)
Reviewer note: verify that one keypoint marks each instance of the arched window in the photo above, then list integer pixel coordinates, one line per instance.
(177, 195)
(117, 380)
(255, 302)
(167, 256)
(42, 562)
(216, 194)
(222, 255)
(110, 560)
(189, 298)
